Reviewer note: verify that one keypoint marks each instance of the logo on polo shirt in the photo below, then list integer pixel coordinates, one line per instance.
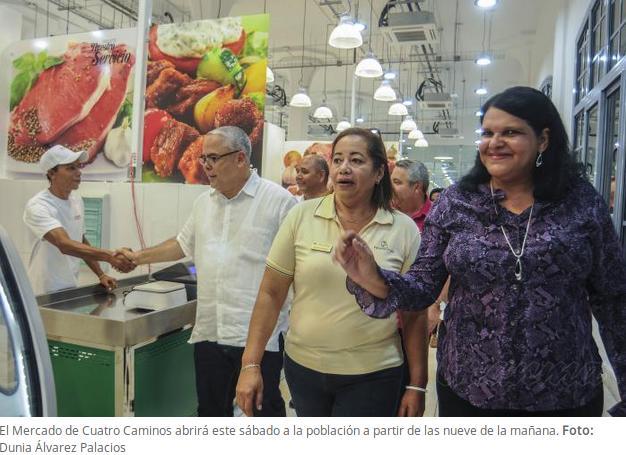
(383, 245)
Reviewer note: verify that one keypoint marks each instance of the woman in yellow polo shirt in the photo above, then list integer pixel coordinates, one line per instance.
(338, 361)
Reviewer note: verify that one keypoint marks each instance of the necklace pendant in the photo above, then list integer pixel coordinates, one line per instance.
(518, 270)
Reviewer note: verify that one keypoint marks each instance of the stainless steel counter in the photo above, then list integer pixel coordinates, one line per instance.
(89, 315)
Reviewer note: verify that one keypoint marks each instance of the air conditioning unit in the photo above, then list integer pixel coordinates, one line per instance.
(448, 133)
(414, 28)
(436, 101)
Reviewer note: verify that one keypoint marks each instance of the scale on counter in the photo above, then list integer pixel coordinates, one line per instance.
(157, 295)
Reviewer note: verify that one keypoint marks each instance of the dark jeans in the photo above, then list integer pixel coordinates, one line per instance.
(452, 405)
(217, 371)
(316, 394)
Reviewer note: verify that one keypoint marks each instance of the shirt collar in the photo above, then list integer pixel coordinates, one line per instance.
(250, 188)
(421, 213)
(326, 209)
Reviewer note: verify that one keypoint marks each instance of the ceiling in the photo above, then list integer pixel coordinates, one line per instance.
(508, 32)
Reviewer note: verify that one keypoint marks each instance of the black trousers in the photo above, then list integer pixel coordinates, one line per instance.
(217, 371)
(452, 405)
(316, 394)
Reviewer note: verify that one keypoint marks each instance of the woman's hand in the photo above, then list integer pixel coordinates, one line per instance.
(249, 391)
(412, 404)
(108, 282)
(352, 253)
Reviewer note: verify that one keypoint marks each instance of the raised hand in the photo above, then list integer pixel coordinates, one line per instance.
(352, 253)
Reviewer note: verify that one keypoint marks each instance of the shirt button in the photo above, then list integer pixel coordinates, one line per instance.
(511, 362)
(513, 323)
(515, 287)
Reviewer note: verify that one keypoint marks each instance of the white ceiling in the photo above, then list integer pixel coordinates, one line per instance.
(510, 32)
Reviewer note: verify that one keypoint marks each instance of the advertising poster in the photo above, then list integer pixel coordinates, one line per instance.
(202, 75)
(73, 90)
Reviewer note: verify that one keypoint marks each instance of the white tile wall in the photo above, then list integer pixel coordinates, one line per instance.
(162, 209)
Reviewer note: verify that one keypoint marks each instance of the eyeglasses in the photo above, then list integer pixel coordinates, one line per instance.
(214, 158)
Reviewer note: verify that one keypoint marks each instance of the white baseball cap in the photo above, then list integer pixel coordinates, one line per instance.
(59, 154)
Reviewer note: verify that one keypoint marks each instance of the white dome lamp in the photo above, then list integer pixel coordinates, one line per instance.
(416, 134)
(408, 124)
(385, 92)
(398, 109)
(345, 35)
(343, 125)
(369, 66)
(323, 112)
(421, 143)
(301, 99)
(269, 75)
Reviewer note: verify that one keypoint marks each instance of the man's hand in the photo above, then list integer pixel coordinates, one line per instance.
(412, 404)
(108, 282)
(250, 391)
(122, 263)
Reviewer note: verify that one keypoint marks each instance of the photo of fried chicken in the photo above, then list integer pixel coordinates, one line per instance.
(244, 114)
(169, 145)
(190, 165)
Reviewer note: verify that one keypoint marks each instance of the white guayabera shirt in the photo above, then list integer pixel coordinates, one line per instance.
(229, 240)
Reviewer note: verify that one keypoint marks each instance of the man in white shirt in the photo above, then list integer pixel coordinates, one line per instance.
(56, 217)
(228, 234)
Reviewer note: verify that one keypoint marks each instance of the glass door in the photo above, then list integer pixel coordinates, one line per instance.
(592, 144)
(612, 147)
(26, 381)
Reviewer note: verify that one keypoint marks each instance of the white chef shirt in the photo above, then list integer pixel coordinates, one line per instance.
(50, 270)
(229, 240)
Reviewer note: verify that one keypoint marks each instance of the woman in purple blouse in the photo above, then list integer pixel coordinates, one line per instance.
(532, 255)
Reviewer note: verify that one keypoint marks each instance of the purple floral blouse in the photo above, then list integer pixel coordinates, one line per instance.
(509, 344)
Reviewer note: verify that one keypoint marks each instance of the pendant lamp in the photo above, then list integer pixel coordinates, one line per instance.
(345, 35)
(385, 92)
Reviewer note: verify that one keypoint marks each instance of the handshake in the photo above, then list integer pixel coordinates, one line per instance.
(123, 260)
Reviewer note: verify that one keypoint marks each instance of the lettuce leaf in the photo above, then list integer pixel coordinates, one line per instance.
(257, 44)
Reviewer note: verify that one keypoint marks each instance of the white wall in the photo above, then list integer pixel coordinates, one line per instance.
(162, 210)
(10, 26)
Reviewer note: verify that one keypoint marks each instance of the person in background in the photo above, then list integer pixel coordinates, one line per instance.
(338, 362)
(56, 217)
(228, 234)
(435, 193)
(312, 176)
(533, 255)
(410, 181)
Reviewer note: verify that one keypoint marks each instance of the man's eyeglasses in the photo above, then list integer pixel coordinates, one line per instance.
(214, 158)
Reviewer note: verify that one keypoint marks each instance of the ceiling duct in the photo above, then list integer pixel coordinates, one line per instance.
(412, 28)
(436, 101)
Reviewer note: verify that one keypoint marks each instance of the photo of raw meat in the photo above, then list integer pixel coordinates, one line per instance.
(75, 92)
(202, 75)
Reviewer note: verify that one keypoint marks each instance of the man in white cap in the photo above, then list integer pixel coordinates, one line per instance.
(56, 218)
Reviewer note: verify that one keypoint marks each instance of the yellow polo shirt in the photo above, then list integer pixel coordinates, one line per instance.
(328, 332)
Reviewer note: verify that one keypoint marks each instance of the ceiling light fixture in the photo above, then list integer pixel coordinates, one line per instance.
(343, 125)
(421, 143)
(385, 92)
(345, 35)
(323, 112)
(485, 4)
(269, 75)
(481, 91)
(389, 75)
(407, 102)
(408, 124)
(359, 120)
(369, 66)
(360, 26)
(301, 99)
(398, 109)
(416, 134)
(483, 60)
(478, 113)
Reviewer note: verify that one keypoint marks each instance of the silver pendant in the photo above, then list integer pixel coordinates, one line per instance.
(518, 269)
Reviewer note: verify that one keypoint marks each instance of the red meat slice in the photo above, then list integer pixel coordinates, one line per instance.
(90, 133)
(62, 96)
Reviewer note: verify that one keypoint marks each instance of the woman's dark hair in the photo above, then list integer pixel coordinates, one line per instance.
(381, 198)
(559, 169)
(433, 192)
